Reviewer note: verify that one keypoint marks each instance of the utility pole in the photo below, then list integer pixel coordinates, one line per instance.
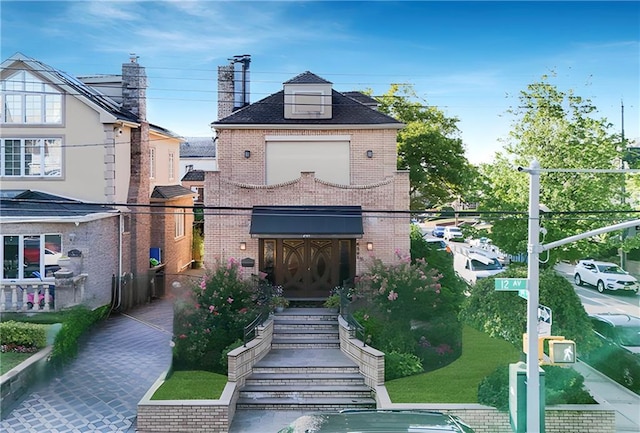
(623, 254)
(534, 248)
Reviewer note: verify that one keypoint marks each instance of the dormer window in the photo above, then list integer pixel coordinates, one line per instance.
(28, 100)
(308, 96)
(307, 103)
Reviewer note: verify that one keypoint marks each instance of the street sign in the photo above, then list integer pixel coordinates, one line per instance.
(511, 284)
(523, 293)
(562, 352)
(544, 314)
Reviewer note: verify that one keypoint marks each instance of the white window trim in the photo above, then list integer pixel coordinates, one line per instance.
(41, 141)
(46, 92)
(179, 217)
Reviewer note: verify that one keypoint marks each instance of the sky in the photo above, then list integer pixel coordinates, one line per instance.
(469, 59)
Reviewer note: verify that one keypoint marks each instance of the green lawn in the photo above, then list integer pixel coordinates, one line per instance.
(455, 383)
(9, 360)
(458, 382)
(191, 385)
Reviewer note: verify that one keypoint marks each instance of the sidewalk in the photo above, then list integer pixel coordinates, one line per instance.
(613, 396)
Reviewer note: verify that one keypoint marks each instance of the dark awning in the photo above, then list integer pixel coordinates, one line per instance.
(306, 221)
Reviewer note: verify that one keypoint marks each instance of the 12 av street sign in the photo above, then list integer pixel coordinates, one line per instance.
(511, 284)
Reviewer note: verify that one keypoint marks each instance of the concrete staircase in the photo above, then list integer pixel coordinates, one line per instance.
(305, 369)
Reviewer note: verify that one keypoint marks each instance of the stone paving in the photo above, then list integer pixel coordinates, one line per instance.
(99, 390)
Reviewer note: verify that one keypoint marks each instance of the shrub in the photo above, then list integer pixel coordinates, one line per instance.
(212, 317)
(23, 334)
(504, 314)
(404, 308)
(77, 321)
(562, 386)
(224, 359)
(494, 389)
(398, 365)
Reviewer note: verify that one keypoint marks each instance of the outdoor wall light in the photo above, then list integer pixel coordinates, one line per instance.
(369, 153)
(369, 246)
(243, 246)
(72, 237)
(247, 154)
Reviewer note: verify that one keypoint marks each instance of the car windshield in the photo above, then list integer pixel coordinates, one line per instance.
(479, 266)
(629, 336)
(611, 269)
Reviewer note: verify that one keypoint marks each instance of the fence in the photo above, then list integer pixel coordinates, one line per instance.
(31, 296)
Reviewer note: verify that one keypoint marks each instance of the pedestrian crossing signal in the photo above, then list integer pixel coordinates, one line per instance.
(562, 352)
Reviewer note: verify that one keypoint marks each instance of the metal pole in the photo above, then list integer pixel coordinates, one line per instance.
(533, 248)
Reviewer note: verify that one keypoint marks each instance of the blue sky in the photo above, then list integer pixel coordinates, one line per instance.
(471, 59)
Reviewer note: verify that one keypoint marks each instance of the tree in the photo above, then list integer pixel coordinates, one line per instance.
(429, 147)
(559, 130)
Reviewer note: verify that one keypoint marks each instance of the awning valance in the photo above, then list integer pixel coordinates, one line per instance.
(306, 222)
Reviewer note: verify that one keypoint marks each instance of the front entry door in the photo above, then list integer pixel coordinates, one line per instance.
(308, 268)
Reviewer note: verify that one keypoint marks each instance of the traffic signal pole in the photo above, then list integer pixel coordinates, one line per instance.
(534, 248)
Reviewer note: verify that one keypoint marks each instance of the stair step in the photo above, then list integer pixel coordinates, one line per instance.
(306, 331)
(304, 323)
(305, 391)
(301, 343)
(319, 404)
(309, 379)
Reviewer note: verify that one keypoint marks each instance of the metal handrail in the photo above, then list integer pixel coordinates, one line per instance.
(355, 328)
(264, 299)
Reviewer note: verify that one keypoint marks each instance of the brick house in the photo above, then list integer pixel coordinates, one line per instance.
(87, 140)
(307, 186)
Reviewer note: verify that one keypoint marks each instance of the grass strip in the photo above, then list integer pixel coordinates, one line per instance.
(191, 385)
(457, 382)
(8, 360)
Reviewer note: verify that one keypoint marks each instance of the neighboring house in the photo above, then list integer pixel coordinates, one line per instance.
(307, 185)
(87, 140)
(198, 153)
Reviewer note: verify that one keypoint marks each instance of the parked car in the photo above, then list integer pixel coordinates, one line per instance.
(619, 355)
(32, 255)
(472, 264)
(372, 420)
(453, 234)
(604, 276)
(437, 231)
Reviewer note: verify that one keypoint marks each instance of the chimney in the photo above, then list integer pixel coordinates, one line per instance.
(134, 88)
(233, 85)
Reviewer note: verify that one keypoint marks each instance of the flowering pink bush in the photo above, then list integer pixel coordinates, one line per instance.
(211, 317)
(406, 309)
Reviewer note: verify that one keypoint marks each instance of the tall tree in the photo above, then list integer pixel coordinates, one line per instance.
(429, 147)
(559, 130)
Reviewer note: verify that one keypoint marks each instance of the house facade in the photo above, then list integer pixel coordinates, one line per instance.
(87, 140)
(307, 189)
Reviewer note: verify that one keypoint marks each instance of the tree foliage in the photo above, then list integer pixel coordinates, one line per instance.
(559, 130)
(429, 147)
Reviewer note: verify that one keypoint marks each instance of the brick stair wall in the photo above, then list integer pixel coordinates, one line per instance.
(298, 334)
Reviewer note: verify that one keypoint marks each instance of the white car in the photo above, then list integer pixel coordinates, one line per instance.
(604, 276)
(453, 234)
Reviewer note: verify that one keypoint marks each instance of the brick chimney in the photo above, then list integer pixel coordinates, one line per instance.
(233, 85)
(134, 88)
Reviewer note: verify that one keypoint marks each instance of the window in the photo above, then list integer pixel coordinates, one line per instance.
(152, 163)
(171, 165)
(189, 167)
(31, 157)
(179, 217)
(22, 255)
(29, 100)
